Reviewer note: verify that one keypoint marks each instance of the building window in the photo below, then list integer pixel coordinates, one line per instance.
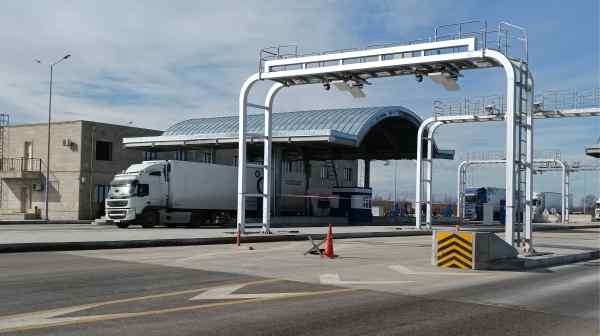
(367, 203)
(181, 155)
(348, 174)
(149, 156)
(103, 150)
(324, 172)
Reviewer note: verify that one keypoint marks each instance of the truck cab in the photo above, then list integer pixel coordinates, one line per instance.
(138, 194)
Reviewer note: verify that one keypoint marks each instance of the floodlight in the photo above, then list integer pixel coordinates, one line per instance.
(445, 79)
(355, 88)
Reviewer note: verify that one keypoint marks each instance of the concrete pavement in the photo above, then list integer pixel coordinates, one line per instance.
(378, 286)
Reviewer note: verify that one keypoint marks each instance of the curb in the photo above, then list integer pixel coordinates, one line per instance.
(41, 221)
(124, 244)
(560, 260)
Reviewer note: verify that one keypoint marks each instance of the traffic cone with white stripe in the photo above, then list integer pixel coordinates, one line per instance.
(329, 243)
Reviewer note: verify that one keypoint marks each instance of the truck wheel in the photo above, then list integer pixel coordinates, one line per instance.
(149, 219)
(122, 225)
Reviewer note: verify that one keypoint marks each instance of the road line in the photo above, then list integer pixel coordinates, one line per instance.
(334, 279)
(408, 271)
(66, 310)
(97, 318)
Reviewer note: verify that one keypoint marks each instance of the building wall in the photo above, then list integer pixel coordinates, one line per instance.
(64, 167)
(74, 171)
(97, 174)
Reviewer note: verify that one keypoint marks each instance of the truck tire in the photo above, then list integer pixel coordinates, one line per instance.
(122, 225)
(150, 219)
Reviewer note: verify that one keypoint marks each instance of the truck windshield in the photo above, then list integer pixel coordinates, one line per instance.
(122, 188)
(471, 198)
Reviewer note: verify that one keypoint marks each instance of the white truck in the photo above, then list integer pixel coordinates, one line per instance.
(178, 192)
(596, 212)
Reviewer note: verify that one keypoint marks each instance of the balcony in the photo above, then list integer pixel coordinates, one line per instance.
(20, 168)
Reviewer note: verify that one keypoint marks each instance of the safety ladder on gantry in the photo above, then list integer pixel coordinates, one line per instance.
(523, 159)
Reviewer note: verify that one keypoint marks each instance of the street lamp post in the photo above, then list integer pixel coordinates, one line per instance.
(47, 184)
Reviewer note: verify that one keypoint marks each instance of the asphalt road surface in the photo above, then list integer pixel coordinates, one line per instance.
(69, 294)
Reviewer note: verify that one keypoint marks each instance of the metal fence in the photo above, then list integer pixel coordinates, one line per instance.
(20, 164)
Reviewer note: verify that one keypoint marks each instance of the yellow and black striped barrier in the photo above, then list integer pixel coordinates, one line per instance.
(470, 249)
(454, 249)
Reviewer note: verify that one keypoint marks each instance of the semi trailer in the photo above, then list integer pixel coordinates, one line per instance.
(550, 201)
(173, 192)
(475, 198)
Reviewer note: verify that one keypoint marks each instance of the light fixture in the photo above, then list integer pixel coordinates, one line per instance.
(355, 88)
(446, 79)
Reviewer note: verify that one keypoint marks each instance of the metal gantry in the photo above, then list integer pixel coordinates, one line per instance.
(549, 105)
(452, 49)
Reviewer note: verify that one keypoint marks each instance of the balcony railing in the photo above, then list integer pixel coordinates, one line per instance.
(20, 165)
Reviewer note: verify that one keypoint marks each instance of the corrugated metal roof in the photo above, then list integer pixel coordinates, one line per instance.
(349, 123)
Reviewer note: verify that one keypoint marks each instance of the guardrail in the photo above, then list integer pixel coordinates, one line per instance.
(20, 164)
(551, 100)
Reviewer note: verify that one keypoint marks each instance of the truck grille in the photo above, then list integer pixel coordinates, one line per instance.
(117, 214)
(117, 203)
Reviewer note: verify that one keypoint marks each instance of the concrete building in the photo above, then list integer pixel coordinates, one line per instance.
(84, 157)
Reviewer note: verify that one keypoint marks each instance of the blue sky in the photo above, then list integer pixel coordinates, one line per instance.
(154, 63)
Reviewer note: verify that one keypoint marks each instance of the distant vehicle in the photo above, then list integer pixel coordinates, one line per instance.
(475, 198)
(177, 192)
(596, 212)
(550, 201)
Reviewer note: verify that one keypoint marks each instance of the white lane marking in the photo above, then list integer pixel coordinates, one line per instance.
(227, 293)
(334, 279)
(43, 318)
(408, 271)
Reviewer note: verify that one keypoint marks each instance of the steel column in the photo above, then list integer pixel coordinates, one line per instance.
(267, 158)
(241, 188)
(429, 173)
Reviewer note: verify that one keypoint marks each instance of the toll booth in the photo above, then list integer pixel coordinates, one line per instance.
(354, 204)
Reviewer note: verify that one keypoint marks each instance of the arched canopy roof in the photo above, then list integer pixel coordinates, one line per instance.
(370, 133)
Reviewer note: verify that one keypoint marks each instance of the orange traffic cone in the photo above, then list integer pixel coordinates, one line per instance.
(329, 243)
